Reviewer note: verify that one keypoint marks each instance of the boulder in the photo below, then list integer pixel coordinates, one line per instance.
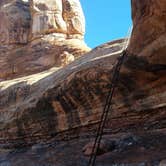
(105, 146)
(162, 163)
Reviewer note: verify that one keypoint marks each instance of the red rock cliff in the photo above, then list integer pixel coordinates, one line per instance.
(68, 102)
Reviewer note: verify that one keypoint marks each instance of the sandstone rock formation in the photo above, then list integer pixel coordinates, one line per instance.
(64, 17)
(54, 106)
(35, 33)
(47, 17)
(56, 101)
(15, 22)
(149, 19)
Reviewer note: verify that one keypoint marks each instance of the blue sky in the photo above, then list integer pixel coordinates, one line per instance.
(106, 20)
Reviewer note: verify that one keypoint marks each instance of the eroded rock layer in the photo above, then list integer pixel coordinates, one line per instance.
(42, 105)
(35, 35)
(57, 100)
(66, 104)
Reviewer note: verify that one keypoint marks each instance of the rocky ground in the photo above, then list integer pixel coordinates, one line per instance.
(126, 149)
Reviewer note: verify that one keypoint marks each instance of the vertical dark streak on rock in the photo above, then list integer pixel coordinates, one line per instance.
(71, 116)
(73, 112)
(79, 94)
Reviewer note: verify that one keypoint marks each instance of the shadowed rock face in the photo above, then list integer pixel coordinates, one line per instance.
(66, 104)
(35, 34)
(149, 28)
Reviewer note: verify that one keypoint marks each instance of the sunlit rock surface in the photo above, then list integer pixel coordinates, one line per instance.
(65, 17)
(35, 34)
